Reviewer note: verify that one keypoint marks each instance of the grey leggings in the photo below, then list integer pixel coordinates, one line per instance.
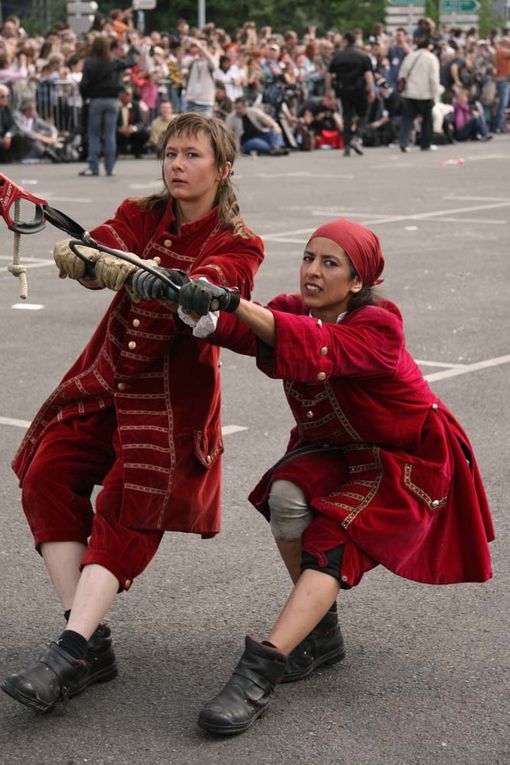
(290, 514)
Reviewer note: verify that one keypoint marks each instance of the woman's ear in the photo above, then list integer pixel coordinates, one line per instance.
(356, 285)
(225, 171)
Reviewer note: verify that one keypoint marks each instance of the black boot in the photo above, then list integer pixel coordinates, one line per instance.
(247, 693)
(100, 656)
(57, 675)
(323, 646)
(53, 677)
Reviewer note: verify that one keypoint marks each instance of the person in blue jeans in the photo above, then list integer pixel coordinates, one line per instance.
(502, 76)
(255, 131)
(100, 86)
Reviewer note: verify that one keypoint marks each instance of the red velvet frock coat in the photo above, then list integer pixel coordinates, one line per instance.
(161, 381)
(399, 490)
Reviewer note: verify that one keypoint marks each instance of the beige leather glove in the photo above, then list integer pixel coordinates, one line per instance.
(112, 272)
(68, 263)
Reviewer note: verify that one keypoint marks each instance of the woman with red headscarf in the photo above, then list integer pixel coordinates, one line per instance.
(377, 470)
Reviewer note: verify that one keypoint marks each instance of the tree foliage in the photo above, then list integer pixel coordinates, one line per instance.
(281, 16)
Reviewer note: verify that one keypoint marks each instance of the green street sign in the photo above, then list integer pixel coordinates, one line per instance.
(452, 7)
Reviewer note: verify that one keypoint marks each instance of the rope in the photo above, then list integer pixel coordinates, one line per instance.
(15, 268)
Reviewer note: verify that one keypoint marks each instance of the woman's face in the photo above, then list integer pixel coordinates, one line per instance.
(189, 168)
(325, 276)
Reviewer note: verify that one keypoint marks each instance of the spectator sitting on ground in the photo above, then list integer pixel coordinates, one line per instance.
(132, 134)
(383, 126)
(469, 119)
(255, 131)
(443, 128)
(222, 105)
(38, 138)
(322, 113)
(7, 127)
(160, 124)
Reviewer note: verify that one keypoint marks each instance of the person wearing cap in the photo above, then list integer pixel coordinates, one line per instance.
(377, 470)
(384, 117)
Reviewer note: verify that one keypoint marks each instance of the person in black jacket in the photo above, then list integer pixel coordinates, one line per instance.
(101, 85)
(354, 86)
(132, 134)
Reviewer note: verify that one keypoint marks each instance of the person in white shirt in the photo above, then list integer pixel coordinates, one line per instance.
(231, 76)
(420, 70)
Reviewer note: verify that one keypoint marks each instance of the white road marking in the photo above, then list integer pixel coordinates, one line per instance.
(227, 430)
(453, 371)
(436, 214)
(343, 212)
(483, 221)
(439, 364)
(14, 423)
(488, 156)
(28, 306)
(302, 175)
(468, 368)
(145, 185)
(52, 198)
(475, 199)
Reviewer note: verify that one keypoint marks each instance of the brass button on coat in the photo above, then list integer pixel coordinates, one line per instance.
(208, 459)
(434, 407)
(309, 414)
(156, 260)
(121, 386)
(136, 322)
(167, 242)
(321, 376)
(132, 345)
(324, 350)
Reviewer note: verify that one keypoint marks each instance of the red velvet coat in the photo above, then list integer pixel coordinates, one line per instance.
(399, 487)
(163, 383)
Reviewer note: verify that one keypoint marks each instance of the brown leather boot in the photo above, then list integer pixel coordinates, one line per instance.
(247, 693)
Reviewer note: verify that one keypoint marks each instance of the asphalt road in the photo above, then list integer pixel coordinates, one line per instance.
(426, 677)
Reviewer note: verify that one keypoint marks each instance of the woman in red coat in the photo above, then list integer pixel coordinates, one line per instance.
(377, 470)
(137, 414)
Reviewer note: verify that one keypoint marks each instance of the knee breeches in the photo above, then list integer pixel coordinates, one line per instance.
(56, 494)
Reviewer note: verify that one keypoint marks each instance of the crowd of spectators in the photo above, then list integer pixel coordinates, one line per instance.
(277, 91)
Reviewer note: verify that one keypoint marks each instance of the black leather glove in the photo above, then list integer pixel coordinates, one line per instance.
(200, 297)
(150, 287)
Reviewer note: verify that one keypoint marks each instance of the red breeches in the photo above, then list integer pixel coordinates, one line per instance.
(71, 460)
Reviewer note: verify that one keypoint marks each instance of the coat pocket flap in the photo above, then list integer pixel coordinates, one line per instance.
(430, 485)
(208, 446)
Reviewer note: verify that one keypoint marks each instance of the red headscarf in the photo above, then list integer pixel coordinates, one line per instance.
(360, 244)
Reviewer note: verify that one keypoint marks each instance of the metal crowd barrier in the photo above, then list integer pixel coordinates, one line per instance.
(59, 102)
